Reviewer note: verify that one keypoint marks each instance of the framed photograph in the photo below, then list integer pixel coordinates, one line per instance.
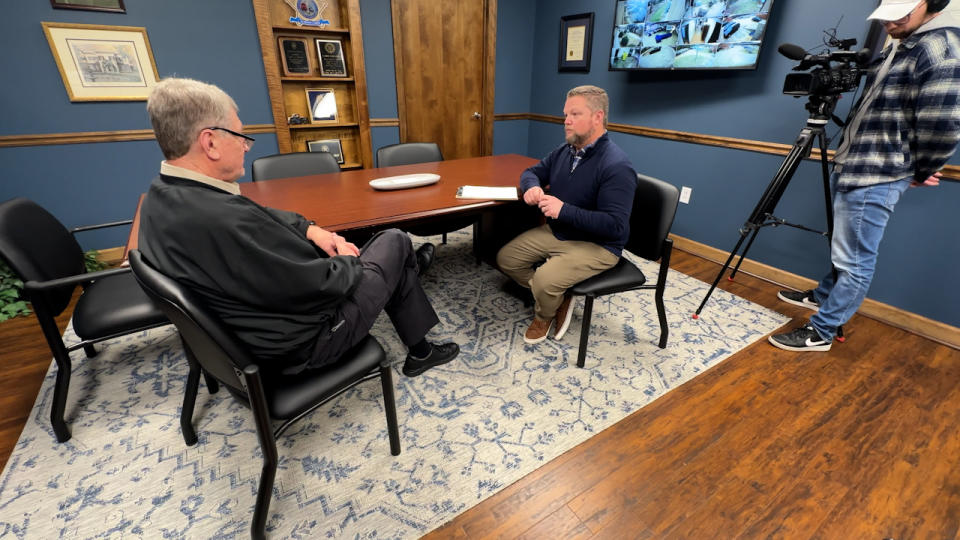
(330, 146)
(322, 104)
(116, 6)
(102, 63)
(576, 36)
(294, 57)
(330, 53)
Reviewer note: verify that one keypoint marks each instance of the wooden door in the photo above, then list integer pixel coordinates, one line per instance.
(444, 51)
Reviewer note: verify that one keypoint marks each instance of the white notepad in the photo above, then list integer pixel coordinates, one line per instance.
(487, 192)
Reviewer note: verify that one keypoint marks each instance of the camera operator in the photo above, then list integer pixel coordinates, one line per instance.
(905, 128)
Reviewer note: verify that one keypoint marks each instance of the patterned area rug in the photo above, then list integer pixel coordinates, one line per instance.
(468, 429)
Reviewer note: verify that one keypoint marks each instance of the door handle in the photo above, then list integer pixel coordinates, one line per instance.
(476, 115)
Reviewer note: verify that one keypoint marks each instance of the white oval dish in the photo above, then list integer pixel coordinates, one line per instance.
(404, 181)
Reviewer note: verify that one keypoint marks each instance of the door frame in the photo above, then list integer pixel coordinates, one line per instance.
(487, 76)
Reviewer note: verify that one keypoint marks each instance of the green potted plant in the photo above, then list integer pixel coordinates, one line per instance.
(12, 303)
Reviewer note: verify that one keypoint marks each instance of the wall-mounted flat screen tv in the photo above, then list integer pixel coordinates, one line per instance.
(688, 34)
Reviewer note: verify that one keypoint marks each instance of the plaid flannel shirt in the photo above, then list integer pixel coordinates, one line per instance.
(912, 127)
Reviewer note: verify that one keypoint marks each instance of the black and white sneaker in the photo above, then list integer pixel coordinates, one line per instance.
(800, 298)
(804, 338)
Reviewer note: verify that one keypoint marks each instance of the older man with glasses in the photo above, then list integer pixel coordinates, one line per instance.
(297, 295)
(904, 130)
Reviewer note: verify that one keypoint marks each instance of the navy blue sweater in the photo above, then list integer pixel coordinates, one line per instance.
(597, 196)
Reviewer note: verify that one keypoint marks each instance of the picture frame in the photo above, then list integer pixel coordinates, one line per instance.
(295, 57)
(321, 105)
(102, 63)
(330, 53)
(113, 6)
(576, 38)
(331, 146)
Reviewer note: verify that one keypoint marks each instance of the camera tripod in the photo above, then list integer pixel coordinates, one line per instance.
(821, 111)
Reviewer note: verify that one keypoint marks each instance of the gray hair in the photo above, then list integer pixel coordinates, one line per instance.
(180, 108)
(596, 98)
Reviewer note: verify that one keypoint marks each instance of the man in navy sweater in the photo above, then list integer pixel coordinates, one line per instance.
(585, 190)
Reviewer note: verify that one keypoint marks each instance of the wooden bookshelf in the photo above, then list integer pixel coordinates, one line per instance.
(288, 92)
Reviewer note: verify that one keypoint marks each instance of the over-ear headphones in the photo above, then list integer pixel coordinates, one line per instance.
(933, 6)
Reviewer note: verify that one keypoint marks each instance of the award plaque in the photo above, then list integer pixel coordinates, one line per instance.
(330, 52)
(294, 56)
(330, 146)
(322, 104)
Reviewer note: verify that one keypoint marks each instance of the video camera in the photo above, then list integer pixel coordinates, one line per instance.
(825, 79)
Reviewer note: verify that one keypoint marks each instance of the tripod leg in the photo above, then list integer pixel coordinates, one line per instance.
(745, 250)
(768, 201)
(719, 275)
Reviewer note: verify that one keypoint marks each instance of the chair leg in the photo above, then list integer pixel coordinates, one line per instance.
(661, 286)
(64, 368)
(213, 385)
(585, 330)
(476, 241)
(90, 350)
(189, 400)
(662, 315)
(443, 238)
(390, 406)
(268, 445)
(60, 390)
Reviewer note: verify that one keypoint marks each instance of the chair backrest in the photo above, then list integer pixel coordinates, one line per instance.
(213, 345)
(654, 206)
(408, 154)
(39, 248)
(295, 164)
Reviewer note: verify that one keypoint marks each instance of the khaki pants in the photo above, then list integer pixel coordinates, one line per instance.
(564, 264)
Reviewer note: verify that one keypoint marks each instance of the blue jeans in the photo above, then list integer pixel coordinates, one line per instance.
(860, 216)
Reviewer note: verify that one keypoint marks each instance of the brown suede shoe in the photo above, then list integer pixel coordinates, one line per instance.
(564, 314)
(538, 331)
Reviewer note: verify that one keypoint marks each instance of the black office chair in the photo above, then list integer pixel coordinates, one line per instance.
(295, 164)
(214, 348)
(45, 255)
(409, 154)
(654, 207)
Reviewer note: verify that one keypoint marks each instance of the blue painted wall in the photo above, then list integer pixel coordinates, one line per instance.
(728, 183)
(90, 183)
(381, 71)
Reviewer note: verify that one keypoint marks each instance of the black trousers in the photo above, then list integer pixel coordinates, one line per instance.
(390, 283)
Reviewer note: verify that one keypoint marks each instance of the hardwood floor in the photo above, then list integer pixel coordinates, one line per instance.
(859, 442)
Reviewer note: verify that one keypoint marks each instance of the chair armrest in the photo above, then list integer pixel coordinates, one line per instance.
(41, 286)
(100, 226)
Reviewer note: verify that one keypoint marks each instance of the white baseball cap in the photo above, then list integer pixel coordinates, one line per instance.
(891, 10)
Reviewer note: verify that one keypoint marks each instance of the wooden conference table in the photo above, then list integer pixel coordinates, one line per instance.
(344, 202)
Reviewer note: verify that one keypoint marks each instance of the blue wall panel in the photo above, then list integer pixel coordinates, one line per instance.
(378, 58)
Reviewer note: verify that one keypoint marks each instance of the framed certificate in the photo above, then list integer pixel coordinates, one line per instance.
(330, 146)
(330, 53)
(322, 104)
(295, 57)
(576, 36)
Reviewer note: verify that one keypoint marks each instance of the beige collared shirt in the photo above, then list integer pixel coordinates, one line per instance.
(180, 172)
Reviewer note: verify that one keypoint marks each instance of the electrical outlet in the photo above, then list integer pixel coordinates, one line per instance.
(685, 194)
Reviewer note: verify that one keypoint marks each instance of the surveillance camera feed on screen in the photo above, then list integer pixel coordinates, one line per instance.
(688, 34)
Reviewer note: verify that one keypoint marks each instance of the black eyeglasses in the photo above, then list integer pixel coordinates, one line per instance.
(247, 140)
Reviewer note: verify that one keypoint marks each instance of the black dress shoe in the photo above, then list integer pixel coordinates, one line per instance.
(439, 355)
(425, 257)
